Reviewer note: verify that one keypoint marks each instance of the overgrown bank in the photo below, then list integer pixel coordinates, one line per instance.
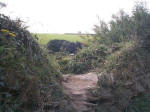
(124, 78)
(28, 79)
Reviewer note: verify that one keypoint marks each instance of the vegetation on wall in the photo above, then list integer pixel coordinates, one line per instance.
(124, 78)
(28, 79)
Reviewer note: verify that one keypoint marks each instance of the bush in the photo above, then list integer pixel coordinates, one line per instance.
(125, 75)
(28, 80)
(124, 79)
(63, 45)
(89, 58)
(64, 63)
(86, 59)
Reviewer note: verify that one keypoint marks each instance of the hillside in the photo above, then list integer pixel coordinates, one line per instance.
(45, 38)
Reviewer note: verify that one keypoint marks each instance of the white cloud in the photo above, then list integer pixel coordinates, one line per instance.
(60, 16)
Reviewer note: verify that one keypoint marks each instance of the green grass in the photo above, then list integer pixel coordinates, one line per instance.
(45, 38)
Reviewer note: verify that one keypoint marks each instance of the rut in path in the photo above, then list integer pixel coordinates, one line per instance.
(77, 88)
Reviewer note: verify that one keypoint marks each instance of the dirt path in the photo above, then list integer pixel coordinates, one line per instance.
(77, 88)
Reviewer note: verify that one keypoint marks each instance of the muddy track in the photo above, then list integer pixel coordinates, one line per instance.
(78, 87)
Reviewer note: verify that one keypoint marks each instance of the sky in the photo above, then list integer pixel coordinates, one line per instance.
(64, 16)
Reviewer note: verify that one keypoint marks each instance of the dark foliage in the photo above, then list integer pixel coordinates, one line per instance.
(60, 45)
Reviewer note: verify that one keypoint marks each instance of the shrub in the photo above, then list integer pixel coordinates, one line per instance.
(63, 45)
(89, 58)
(125, 75)
(28, 80)
(124, 79)
(64, 63)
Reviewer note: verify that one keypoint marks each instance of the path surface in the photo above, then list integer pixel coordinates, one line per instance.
(77, 88)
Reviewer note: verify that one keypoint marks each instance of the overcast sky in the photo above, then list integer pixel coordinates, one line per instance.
(64, 16)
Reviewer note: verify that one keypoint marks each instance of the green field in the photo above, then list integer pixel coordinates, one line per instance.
(45, 38)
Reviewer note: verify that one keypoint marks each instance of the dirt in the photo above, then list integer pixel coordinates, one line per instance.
(78, 87)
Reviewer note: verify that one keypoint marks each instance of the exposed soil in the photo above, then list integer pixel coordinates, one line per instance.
(78, 87)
